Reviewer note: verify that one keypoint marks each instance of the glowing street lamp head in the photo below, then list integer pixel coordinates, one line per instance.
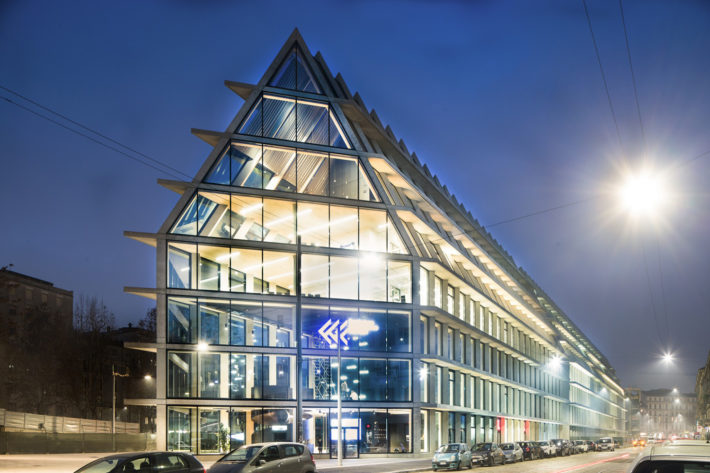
(667, 358)
(643, 194)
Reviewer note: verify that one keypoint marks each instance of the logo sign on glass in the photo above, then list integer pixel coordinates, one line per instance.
(348, 328)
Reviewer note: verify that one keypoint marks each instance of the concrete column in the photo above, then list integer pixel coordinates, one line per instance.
(161, 427)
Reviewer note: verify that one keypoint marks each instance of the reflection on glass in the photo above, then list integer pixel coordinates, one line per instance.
(343, 227)
(399, 281)
(343, 277)
(343, 177)
(281, 320)
(246, 220)
(213, 214)
(182, 317)
(180, 436)
(398, 330)
(214, 322)
(373, 277)
(398, 380)
(373, 425)
(373, 230)
(349, 379)
(180, 374)
(313, 223)
(246, 323)
(316, 378)
(312, 120)
(398, 429)
(212, 268)
(187, 222)
(373, 379)
(180, 265)
(279, 117)
(314, 275)
(280, 165)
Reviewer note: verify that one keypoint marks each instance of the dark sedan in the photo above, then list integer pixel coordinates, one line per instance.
(174, 462)
(489, 452)
(531, 450)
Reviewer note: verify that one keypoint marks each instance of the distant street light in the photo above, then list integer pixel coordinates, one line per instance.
(667, 358)
(644, 193)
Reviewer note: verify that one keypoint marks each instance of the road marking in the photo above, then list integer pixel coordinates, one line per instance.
(585, 465)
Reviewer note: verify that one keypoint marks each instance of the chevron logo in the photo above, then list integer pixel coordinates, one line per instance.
(329, 332)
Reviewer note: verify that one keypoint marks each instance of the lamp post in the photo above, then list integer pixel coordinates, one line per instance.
(114, 373)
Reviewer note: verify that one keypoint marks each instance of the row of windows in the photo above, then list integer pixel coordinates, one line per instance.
(441, 386)
(232, 269)
(247, 323)
(468, 309)
(243, 217)
(219, 429)
(456, 346)
(210, 375)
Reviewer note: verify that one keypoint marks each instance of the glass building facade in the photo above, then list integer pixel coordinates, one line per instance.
(311, 230)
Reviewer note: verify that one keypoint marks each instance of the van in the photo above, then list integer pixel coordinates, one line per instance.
(605, 443)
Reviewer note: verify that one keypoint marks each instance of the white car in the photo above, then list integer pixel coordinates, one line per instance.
(512, 451)
(548, 448)
(605, 443)
(580, 446)
(671, 458)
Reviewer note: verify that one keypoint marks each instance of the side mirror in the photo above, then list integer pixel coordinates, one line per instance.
(260, 462)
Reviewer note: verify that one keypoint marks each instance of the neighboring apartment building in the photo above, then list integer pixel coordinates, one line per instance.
(667, 412)
(633, 412)
(442, 336)
(702, 393)
(20, 297)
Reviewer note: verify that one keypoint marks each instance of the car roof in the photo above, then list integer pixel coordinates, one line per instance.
(695, 450)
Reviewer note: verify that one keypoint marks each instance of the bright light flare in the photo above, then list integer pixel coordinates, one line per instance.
(644, 194)
(667, 358)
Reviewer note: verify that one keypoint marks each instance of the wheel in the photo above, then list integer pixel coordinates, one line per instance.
(490, 461)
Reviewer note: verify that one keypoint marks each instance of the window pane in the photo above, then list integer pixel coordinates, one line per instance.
(343, 277)
(279, 117)
(213, 268)
(372, 338)
(394, 241)
(238, 376)
(313, 223)
(209, 375)
(180, 370)
(180, 260)
(316, 384)
(281, 164)
(373, 424)
(240, 432)
(399, 277)
(312, 173)
(398, 380)
(423, 286)
(366, 191)
(213, 214)
(349, 381)
(187, 223)
(220, 172)
(180, 436)
(314, 275)
(279, 273)
(314, 318)
(343, 177)
(182, 320)
(373, 277)
(398, 430)
(312, 122)
(373, 230)
(245, 273)
(398, 330)
(281, 320)
(275, 425)
(280, 382)
(337, 135)
(246, 221)
(212, 420)
(252, 124)
(373, 379)
(342, 317)
(214, 322)
(343, 227)
(279, 221)
(246, 167)
(246, 323)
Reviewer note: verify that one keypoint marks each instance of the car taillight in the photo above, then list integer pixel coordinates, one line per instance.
(312, 457)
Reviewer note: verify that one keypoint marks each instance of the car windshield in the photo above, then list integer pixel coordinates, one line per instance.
(544, 443)
(605, 441)
(449, 448)
(242, 454)
(104, 465)
(507, 446)
(483, 446)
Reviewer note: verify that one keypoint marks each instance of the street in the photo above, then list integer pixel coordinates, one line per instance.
(599, 462)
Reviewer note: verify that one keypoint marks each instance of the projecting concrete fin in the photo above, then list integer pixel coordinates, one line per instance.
(208, 136)
(358, 100)
(242, 89)
(404, 148)
(341, 82)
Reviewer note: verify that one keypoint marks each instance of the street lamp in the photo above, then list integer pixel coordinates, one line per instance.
(114, 373)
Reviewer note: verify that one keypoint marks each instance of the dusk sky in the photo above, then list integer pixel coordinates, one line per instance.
(504, 101)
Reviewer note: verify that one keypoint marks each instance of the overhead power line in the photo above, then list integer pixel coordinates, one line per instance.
(601, 70)
(97, 133)
(633, 75)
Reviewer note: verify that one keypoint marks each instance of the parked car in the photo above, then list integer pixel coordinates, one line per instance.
(672, 458)
(284, 457)
(177, 462)
(605, 443)
(591, 446)
(531, 450)
(549, 449)
(512, 452)
(563, 447)
(490, 453)
(580, 446)
(452, 456)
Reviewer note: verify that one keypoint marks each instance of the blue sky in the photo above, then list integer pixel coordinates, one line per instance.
(502, 100)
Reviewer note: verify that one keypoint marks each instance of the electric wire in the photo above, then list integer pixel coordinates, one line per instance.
(633, 75)
(91, 138)
(91, 130)
(601, 70)
(650, 294)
